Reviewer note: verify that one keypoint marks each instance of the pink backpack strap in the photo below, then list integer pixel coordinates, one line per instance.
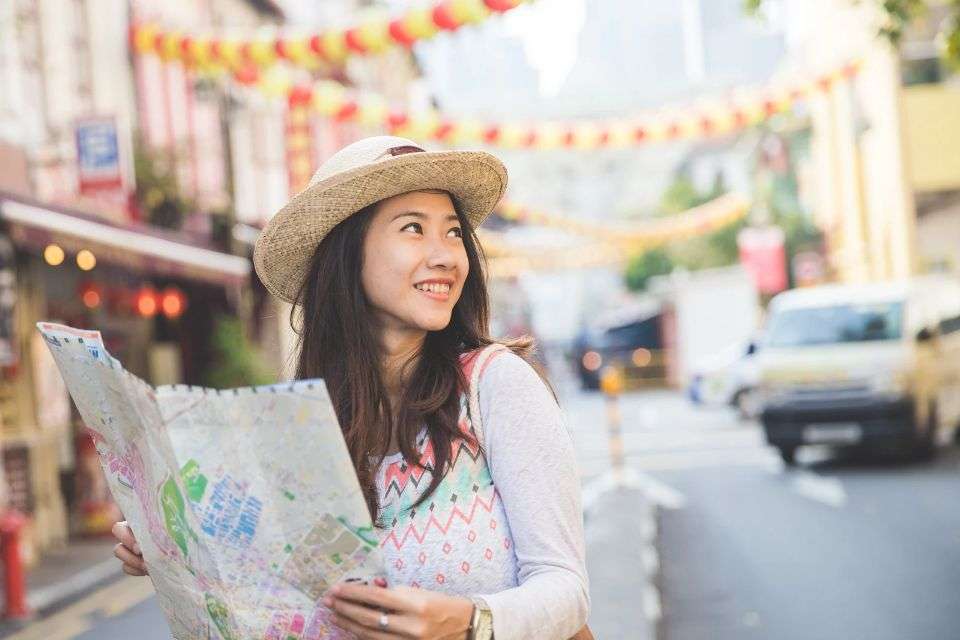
(474, 365)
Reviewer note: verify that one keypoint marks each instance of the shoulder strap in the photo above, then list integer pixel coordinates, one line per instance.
(473, 368)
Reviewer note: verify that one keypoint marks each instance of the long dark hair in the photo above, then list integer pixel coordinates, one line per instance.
(339, 341)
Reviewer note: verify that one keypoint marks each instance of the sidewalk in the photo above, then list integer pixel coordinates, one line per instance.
(62, 575)
(623, 563)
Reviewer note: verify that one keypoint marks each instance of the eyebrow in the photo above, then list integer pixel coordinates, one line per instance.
(419, 214)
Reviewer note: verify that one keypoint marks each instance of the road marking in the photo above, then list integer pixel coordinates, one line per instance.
(656, 491)
(75, 619)
(40, 599)
(828, 491)
(651, 603)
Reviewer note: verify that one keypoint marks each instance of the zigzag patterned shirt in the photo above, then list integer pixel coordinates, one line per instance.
(506, 526)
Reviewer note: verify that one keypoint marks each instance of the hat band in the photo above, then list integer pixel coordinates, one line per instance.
(402, 150)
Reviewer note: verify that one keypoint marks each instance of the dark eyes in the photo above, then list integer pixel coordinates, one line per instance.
(418, 228)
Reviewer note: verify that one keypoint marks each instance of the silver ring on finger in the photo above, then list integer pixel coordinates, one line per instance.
(384, 621)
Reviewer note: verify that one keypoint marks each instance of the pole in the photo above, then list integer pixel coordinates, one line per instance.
(14, 582)
(611, 383)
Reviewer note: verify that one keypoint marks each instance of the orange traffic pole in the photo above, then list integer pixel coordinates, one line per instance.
(611, 383)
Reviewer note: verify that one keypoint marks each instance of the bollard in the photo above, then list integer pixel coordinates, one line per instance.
(611, 383)
(11, 525)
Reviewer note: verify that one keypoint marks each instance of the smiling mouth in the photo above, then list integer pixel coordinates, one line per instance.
(434, 290)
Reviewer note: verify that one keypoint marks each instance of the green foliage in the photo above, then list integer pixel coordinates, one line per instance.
(235, 362)
(683, 195)
(157, 190)
(752, 7)
(646, 265)
(716, 249)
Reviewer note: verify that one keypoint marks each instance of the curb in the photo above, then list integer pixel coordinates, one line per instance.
(621, 534)
(43, 601)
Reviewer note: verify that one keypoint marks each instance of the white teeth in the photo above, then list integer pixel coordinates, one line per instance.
(433, 287)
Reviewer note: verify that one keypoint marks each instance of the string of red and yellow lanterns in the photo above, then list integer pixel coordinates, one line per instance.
(706, 218)
(214, 53)
(608, 245)
(745, 109)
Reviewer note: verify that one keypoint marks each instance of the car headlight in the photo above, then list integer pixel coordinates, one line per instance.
(772, 393)
(891, 383)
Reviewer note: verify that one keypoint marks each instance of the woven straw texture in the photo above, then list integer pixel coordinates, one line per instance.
(359, 175)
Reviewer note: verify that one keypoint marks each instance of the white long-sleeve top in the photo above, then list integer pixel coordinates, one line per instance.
(506, 525)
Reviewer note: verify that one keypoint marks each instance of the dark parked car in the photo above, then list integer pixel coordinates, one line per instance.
(634, 345)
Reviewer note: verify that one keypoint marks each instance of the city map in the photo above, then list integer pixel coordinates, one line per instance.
(244, 502)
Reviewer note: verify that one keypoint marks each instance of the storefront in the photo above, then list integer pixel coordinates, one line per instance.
(154, 295)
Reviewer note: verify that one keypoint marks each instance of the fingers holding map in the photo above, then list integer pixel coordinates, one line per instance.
(244, 502)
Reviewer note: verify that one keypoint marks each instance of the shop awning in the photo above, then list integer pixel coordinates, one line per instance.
(37, 226)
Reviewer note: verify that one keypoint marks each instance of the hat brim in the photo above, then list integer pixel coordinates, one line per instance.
(476, 181)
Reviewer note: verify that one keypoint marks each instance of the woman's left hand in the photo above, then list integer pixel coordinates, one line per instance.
(410, 613)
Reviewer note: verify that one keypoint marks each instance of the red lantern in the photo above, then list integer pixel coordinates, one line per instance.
(346, 112)
(396, 119)
(145, 301)
(91, 295)
(247, 74)
(443, 130)
(316, 45)
(173, 303)
(443, 17)
(500, 5)
(300, 96)
(354, 42)
(399, 33)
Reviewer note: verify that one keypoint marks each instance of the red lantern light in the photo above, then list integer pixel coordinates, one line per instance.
(173, 303)
(146, 302)
(90, 295)
(396, 120)
(398, 31)
(346, 112)
(443, 17)
(354, 42)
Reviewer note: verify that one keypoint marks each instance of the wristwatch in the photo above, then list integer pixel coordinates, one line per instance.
(481, 624)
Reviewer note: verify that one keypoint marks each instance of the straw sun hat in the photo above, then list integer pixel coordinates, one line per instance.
(360, 174)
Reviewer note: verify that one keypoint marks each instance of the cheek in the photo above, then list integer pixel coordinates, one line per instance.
(386, 273)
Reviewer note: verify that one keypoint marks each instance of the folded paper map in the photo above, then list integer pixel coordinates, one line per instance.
(244, 502)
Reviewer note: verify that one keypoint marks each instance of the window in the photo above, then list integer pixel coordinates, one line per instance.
(836, 324)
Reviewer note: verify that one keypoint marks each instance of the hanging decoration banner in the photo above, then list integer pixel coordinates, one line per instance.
(706, 218)
(211, 53)
(607, 244)
(745, 108)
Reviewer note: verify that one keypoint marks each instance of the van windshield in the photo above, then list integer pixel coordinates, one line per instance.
(835, 324)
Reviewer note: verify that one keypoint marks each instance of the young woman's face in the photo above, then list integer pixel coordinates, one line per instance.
(414, 261)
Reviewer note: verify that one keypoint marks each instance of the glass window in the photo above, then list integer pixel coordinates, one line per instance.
(836, 324)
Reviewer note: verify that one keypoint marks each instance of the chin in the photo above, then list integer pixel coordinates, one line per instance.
(437, 323)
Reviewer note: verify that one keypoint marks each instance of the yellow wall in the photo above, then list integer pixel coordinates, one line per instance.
(932, 136)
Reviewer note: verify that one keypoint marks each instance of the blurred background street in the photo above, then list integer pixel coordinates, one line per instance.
(733, 227)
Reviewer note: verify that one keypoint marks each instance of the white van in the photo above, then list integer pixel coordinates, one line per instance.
(874, 366)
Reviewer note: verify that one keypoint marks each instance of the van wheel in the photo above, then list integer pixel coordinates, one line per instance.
(744, 402)
(789, 455)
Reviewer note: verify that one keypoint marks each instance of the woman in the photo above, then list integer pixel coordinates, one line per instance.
(379, 257)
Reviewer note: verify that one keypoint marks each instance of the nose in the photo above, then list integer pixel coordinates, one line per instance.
(440, 255)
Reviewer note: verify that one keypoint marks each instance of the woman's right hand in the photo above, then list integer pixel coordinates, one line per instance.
(128, 551)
